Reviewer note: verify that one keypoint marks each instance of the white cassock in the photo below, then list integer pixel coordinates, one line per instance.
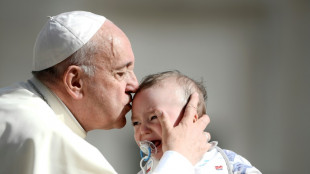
(39, 135)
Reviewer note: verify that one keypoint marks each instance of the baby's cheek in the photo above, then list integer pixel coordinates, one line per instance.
(158, 129)
(136, 136)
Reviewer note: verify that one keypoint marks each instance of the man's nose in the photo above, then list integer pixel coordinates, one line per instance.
(133, 83)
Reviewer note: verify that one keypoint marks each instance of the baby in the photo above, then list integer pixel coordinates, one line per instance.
(170, 91)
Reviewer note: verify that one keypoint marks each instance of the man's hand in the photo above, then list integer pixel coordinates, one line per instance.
(188, 137)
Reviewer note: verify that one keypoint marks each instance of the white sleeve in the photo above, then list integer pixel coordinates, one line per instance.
(239, 164)
(173, 162)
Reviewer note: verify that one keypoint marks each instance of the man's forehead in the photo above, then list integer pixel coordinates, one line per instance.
(122, 57)
(116, 51)
(114, 63)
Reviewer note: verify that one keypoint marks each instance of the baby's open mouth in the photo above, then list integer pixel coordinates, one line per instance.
(156, 142)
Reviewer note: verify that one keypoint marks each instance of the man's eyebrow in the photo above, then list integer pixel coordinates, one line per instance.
(124, 65)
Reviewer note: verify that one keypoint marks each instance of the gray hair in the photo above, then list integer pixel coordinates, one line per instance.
(189, 86)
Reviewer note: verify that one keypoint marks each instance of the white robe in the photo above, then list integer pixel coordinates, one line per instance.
(39, 135)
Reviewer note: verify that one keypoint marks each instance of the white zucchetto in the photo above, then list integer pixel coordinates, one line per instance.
(62, 35)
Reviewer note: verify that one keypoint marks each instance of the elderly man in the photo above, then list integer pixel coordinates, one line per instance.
(83, 80)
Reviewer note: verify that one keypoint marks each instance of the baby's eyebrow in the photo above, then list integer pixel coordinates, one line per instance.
(150, 111)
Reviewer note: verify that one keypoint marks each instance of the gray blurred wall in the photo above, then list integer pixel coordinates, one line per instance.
(252, 55)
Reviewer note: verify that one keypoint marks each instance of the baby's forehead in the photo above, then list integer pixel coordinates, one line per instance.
(168, 83)
(173, 90)
(172, 80)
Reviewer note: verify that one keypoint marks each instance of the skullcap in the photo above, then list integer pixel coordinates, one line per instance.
(62, 35)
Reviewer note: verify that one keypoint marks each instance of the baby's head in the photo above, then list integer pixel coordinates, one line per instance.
(168, 91)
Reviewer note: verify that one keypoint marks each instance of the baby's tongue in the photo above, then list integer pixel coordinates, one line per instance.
(156, 143)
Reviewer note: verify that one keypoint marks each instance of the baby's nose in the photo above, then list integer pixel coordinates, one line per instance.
(145, 129)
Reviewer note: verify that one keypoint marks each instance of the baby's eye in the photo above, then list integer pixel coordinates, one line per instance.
(135, 123)
(153, 117)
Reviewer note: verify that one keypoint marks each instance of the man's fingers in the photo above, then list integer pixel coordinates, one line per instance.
(203, 121)
(191, 108)
(208, 136)
(164, 121)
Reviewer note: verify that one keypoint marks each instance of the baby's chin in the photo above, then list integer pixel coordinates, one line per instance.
(158, 155)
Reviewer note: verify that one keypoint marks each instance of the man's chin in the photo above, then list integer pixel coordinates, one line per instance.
(121, 123)
(121, 126)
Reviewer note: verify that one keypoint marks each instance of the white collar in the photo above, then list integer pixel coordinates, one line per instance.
(60, 109)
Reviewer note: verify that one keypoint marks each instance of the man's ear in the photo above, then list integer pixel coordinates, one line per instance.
(73, 81)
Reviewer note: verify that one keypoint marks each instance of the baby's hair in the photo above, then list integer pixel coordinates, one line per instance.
(189, 86)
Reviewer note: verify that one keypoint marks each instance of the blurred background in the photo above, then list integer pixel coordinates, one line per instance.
(253, 56)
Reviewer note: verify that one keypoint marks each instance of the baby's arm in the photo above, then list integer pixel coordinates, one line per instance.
(239, 164)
